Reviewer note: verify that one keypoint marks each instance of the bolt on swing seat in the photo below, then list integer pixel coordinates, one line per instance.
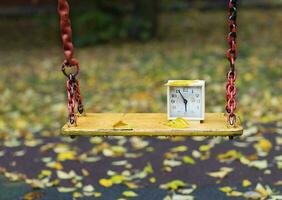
(145, 124)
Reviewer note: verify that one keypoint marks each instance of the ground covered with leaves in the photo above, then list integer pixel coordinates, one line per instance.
(130, 77)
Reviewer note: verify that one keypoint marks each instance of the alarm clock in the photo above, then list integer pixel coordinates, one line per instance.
(186, 99)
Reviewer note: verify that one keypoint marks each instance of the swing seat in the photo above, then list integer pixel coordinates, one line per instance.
(148, 124)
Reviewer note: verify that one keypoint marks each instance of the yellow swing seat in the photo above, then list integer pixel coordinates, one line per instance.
(149, 124)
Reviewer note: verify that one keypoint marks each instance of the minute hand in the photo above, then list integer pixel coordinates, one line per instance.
(184, 100)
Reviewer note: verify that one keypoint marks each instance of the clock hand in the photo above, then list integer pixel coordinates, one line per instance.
(184, 100)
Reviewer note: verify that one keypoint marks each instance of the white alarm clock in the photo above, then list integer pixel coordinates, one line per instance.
(186, 99)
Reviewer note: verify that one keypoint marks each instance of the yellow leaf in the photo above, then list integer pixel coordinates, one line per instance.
(178, 123)
(66, 189)
(260, 189)
(224, 171)
(235, 194)
(33, 195)
(148, 169)
(88, 188)
(85, 172)
(129, 194)
(68, 155)
(188, 160)
(97, 194)
(264, 144)
(77, 195)
(131, 185)
(173, 185)
(205, 147)
(181, 82)
(66, 175)
(46, 172)
(246, 183)
(117, 179)
(172, 163)
(120, 124)
(259, 164)
(225, 189)
(55, 165)
(179, 149)
(229, 155)
(106, 182)
(152, 180)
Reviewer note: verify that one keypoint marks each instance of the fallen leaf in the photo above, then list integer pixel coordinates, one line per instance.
(97, 194)
(68, 155)
(176, 83)
(33, 195)
(148, 169)
(172, 163)
(259, 164)
(55, 165)
(65, 175)
(106, 182)
(178, 123)
(223, 172)
(179, 149)
(246, 183)
(252, 195)
(88, 188)
(77, 195)
(182, 197)
(117, 179)
(120, 124)
(188, 160)
(234, 194)
(260, 189)
(225, 189)
(205, 147)
(152, 180)
(173, 185)
(129, 194)
(66, 189)
(229, 156)
(263, 145)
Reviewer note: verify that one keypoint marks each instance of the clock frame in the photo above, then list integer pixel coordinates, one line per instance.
(199, 84)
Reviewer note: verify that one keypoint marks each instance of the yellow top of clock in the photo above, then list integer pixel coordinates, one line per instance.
(182, 82)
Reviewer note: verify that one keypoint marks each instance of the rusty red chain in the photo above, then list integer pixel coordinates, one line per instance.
(231, 54)
(72, 85)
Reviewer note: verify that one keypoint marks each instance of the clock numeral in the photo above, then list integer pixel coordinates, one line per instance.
(173, 95)
(197, 95)
(172, 101)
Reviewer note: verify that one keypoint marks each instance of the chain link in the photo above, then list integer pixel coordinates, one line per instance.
(66, 31)
(232, 54)
(74, 98)
(72, 85)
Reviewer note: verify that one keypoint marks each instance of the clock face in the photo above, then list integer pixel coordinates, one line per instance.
(186, 102)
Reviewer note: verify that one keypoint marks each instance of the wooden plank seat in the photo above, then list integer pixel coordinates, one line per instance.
(148, 124)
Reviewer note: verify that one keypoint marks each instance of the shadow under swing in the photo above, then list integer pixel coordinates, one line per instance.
(147, 124)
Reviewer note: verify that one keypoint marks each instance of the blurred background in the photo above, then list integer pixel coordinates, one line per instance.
(127, 50)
